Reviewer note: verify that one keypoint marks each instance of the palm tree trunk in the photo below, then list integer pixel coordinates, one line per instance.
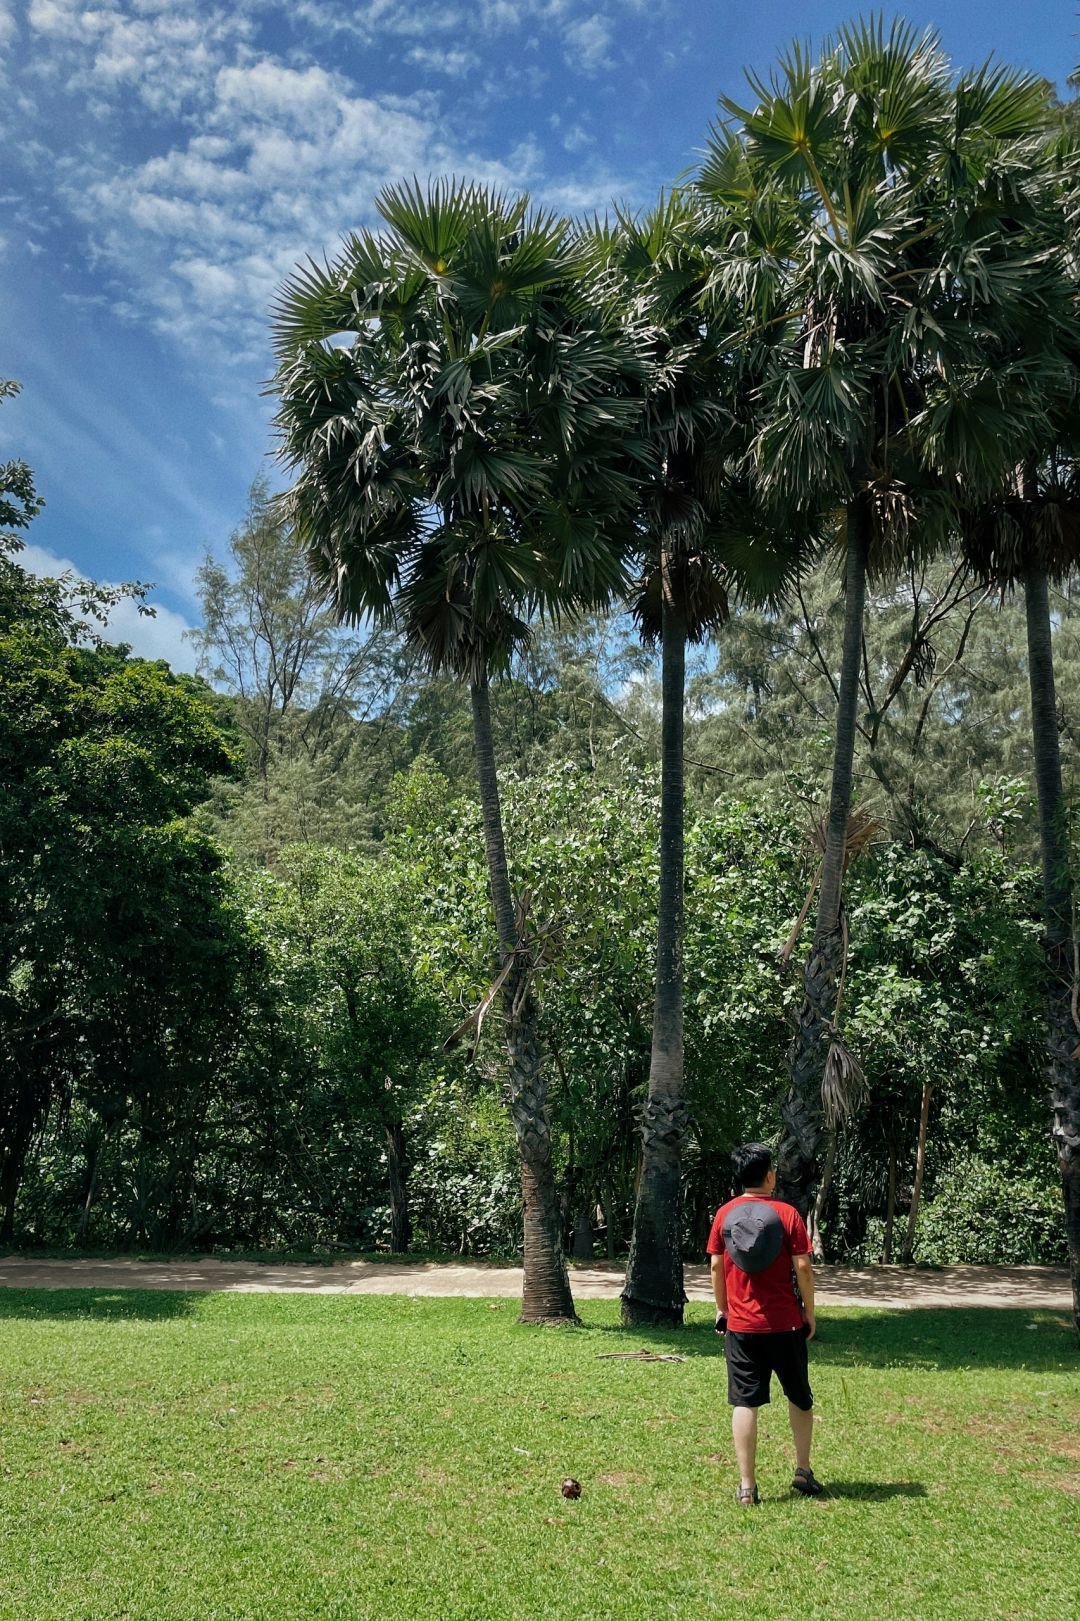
(890, 1207)
(803, 1115)
(546, 1296)
(817, 1236)
(1063, 1036)
(908, 1251)
(653, 1292)
(397, 1180)
(93, 1163)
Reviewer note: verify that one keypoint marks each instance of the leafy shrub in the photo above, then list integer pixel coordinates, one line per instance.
(982, 1213)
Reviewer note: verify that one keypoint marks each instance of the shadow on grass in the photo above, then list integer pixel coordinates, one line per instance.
(949, 1337)
(874, 1491)
(97, 1305)
(921, 1337)
(272, 1257)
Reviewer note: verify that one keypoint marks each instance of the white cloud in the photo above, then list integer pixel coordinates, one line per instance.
(367, 22)
(588, 41)
(275, 157)
(161, 637)
(8, 27)
(576, 139)
(166, 53)
(284, 161)
(455, 64)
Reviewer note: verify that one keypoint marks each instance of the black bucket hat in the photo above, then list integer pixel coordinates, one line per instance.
(753, 1235)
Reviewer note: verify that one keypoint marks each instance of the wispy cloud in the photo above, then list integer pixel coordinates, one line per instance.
(455, 64)
(286, 160)
(218, 154)
(160, 50)
(588, 42)
(160, 637)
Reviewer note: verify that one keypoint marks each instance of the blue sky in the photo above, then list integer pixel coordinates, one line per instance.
(168, 161)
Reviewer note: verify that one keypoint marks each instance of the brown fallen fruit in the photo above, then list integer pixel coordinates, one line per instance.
(571, 1487)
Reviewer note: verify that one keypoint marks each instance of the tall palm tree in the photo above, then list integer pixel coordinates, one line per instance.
(695, 550)
(895, 173)
(1028, 536)
(442, 460)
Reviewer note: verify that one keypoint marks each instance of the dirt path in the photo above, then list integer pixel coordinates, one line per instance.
(895, 1287)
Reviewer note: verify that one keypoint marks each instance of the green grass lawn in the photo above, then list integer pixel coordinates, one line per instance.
(278, 1458)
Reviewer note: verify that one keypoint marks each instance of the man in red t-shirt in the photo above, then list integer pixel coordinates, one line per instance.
(760, 1253)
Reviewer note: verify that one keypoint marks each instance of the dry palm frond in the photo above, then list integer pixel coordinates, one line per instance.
(793, 938)
(530, 954)
(696, 581)
(893, 515)
(844, 1090)
(473, 1022)
(863, 829)
(1004, 540)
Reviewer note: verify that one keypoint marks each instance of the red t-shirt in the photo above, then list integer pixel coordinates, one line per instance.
(763, 1302)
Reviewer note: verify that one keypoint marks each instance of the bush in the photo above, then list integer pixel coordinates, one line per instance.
(981, 1213)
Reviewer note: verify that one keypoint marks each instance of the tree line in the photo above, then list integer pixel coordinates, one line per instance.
(834, 372)
(856, 329)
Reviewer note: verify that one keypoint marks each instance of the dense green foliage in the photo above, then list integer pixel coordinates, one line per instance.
(258, 1458)
(198, 1049)
(356, 969)
(981, 1213)
(117, 952)
(944, 757)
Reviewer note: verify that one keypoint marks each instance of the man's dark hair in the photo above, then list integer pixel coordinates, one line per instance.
(751, 1164)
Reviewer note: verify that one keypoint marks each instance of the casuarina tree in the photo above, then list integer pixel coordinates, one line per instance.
(451, 403)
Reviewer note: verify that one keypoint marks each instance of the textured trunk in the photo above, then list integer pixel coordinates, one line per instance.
(583, 1234)
(397, 1177)
(653, 1292)
(1063, 1037)
(546, 1294)
(82, 1226)
(10, 1177)
(920, 1172)
(609, 1226)
(18, 1130)
(817, 1238)
(890, 1208)
(803, 1116)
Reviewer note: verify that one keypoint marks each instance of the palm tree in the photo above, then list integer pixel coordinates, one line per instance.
(692, 520)
(899, 179)
(441, 463)
(1028, 536)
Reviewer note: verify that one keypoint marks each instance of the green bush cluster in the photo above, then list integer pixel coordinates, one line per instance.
(981, 1212)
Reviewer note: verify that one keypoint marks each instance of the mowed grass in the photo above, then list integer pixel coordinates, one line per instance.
(167, 1456)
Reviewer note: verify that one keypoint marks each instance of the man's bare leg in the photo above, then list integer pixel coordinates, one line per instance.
(802, 1431)
(744, 1434)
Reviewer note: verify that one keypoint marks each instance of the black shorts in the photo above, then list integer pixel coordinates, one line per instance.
(752, 1359)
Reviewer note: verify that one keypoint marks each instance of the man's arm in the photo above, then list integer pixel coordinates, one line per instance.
(804, 1277)
(719, 1284)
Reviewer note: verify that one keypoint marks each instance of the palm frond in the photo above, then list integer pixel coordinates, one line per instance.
(1002, 103)
(431, 222)
(794, 123)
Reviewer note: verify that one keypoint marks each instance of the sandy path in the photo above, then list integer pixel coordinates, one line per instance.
(1020, 1286)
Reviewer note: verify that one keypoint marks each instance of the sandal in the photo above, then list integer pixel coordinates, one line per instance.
(748, 1497)
(807, 1483)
